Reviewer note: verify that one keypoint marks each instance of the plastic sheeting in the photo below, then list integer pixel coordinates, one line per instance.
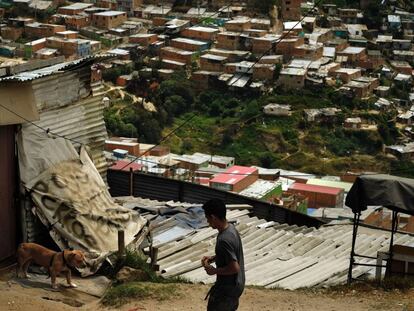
(393, 192)
(71, 198)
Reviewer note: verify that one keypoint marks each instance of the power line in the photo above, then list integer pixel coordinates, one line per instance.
(246, 174)
(47, 131)
(162, 139)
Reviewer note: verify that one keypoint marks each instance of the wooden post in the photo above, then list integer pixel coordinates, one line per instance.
(131, 182)
(121, 243)
(154, 257)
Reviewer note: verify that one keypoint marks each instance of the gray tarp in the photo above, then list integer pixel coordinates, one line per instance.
(71, 198)
(393, 192)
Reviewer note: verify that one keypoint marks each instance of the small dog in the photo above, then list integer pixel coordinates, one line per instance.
(54, 262)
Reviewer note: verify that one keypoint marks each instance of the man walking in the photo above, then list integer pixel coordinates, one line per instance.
(229, 270)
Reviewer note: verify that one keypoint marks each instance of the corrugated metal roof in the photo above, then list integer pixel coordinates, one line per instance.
(276, 255)
(43, 72)
(283, 256)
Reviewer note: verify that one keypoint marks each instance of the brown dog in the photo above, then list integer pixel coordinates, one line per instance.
(53, 261)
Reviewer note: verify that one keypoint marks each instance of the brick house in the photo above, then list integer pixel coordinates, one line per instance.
(200, 33)
(286, 46)
(108, 19)
(291, 9)
(353, 54)
(67, 34)
(238, 24)
(345, 74)
(243, 67)
(263, 72)
(128, 6)
(205, 79)
(173, 65)
(373, 61)
(189, 44)
(357, 88)
(292, 78)
(349, 16)
(373, 83)
(401, 67)
(260, 23)
(353, 123)
(38, 30)
(307, 51)
(232, 55)
(228, 40)
(74, 9)
(264, 44)
(319, 196)
(210, 62)
(129, 144)
(11, 33)
(235, 178)
(144, 39)
(271, 59)
(77, 21)
(32, 47)
(177, 55)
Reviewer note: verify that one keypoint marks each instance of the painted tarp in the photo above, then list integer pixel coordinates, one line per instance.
(71, 198)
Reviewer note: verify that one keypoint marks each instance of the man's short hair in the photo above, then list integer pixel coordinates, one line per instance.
(215, 207)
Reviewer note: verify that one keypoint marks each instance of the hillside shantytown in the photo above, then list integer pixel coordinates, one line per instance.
(119, 119)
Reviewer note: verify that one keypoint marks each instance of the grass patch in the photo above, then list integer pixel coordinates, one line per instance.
(121, 294)
(365, 286)
(139, 261)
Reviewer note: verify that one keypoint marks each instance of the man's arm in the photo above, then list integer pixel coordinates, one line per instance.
(232, 268)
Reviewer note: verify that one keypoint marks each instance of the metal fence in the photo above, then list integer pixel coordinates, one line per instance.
(138, 184)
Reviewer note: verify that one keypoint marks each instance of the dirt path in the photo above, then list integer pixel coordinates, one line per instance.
(191, 297)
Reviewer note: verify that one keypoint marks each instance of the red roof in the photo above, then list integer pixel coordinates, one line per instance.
(315, 188)
(126, 165)
(233, 175)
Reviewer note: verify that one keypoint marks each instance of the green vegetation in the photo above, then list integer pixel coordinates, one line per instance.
(121, 294)
(391, 283)
(113, 73)
(156, 287)
(233, 124)
(261, 6)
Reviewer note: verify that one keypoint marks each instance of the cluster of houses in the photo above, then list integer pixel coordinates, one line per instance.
(294, 190)
(295, 46)
(229, 45)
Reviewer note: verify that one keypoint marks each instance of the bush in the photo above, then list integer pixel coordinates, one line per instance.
(112, 74)
(121, 294)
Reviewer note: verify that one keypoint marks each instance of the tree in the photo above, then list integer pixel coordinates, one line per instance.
(261, 6)
(251, 110)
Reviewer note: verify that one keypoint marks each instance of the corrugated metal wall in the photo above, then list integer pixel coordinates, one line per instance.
(159, 188)
(8, 161)
(68, 107)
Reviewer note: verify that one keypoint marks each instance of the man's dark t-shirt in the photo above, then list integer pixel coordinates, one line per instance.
(228, 248)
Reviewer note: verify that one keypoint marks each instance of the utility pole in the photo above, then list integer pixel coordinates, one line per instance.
(198, 7)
